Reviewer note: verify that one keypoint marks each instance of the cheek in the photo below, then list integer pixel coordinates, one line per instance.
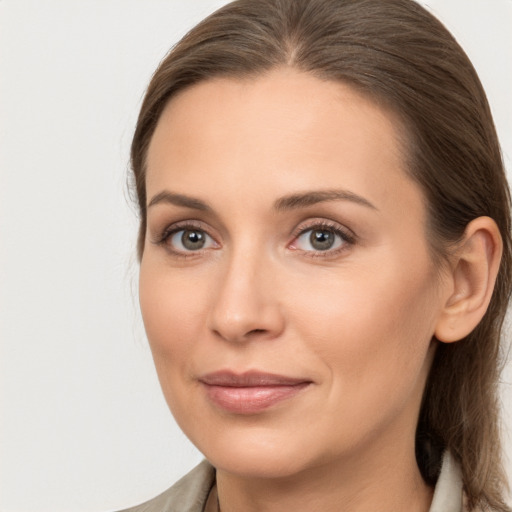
(172, 305)
(372, 329)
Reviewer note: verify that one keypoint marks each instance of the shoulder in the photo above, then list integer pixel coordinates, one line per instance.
(187, 495)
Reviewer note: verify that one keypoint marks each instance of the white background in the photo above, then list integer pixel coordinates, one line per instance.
(83, 425)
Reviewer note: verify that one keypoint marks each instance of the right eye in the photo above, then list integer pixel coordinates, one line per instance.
(189, 240)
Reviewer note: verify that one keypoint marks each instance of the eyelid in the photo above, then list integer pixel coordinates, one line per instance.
(163, 236)
(322, 223)
(348, 237)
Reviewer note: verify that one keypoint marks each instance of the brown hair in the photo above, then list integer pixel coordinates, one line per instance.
(397, 53)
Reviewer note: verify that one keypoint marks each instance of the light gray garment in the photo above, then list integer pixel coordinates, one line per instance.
(191, 492)
(448, 492)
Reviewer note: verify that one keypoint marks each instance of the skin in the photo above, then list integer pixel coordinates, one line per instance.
(356, 321)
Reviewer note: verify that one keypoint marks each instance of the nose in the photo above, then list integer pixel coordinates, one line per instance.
(246, 304)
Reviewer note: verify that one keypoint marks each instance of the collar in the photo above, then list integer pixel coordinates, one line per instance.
(448, 491)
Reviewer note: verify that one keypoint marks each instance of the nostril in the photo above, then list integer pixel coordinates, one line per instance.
(256, 331)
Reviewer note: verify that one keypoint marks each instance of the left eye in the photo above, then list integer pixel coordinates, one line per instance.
(187, 240)
(319, 239)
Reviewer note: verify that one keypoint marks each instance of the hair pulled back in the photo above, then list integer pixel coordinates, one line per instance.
(399, 55)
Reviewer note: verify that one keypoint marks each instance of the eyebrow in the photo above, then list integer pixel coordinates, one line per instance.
(167, 197)
(296, 201)
(290, 202)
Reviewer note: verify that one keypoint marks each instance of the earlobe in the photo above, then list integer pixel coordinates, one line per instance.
(472, 277)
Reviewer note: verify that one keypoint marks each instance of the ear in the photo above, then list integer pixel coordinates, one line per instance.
(471, 279)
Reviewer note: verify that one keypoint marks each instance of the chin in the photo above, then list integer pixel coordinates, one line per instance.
(259, 465)
(257, 456)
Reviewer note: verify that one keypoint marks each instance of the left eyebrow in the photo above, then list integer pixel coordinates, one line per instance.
(303, 200)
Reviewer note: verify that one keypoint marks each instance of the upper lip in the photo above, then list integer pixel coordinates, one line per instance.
(252, 378)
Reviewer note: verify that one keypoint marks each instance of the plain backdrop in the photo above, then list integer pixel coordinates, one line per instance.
(83, 424)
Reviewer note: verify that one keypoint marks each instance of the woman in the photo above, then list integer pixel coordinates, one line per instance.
(325, 260)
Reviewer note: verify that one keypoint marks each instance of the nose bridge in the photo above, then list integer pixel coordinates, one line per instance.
(244, 305)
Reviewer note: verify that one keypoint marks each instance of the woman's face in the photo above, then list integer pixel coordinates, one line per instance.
(286, 285)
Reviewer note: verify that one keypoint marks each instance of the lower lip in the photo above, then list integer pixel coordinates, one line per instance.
(252, 399)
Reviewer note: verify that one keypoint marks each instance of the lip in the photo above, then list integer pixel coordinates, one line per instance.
(250, 392)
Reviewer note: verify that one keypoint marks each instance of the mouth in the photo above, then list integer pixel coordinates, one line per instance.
(250, 392)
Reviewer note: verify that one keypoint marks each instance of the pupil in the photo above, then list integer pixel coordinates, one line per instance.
(193, 240)
(321, 240)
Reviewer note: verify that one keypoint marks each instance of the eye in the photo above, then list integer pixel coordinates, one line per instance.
(322, 238)
(185, 239)
(319, 239)
(189, 240)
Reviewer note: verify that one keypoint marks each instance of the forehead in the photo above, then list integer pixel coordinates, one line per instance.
(282, 130)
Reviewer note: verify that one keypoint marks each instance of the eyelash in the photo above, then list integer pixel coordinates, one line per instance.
(168, 232)
(348, 238)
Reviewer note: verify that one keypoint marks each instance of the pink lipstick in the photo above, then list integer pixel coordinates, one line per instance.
(250, 392)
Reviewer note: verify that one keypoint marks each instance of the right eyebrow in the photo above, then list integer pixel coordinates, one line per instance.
(167, 197)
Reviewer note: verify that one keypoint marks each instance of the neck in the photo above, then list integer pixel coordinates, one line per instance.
(387, 480)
